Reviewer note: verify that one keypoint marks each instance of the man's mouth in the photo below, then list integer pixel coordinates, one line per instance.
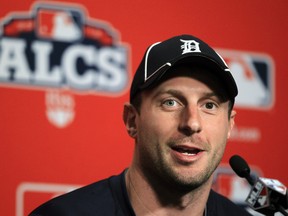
(189, 151)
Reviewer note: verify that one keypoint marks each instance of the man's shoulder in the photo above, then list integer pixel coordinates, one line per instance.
(221, 205)
(95, 197)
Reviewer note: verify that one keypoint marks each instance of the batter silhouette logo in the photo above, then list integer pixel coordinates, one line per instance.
(254, 74)
(57, 45)
(59, 25)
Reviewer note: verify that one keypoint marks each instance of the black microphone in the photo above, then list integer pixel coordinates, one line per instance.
(267, 196)
(241, 168)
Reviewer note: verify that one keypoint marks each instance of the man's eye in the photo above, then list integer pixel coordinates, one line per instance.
(170, 103)
(210, 105)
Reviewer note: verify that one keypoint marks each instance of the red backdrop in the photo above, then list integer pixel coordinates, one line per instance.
(58, 137)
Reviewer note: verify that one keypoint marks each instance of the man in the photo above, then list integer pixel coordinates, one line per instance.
(180, 115)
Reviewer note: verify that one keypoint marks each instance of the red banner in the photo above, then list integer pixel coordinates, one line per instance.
(65, 73)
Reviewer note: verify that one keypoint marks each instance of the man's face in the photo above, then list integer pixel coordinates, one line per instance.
(182, 128)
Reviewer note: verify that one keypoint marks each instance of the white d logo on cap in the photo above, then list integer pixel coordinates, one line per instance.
(190, 46)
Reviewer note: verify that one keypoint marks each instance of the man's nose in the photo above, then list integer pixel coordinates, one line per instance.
(190, 120)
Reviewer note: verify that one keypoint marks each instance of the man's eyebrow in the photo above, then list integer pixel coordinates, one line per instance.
(213, 94)
(173, 92)
(178, 93)
(210, 94)
(169, 92)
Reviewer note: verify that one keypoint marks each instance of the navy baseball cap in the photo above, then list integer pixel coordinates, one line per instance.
(161, 56)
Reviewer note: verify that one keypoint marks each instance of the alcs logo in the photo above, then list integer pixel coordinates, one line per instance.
(55, 46)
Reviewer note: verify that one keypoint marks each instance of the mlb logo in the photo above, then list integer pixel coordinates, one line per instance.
(258, 197)
(59, 25)
(30, 195)
(254, 75)
(227, 183)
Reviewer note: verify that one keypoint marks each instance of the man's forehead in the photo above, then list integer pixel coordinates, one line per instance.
(178, 74)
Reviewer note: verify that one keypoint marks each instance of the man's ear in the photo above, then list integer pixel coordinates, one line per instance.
(231, 122)
(129, 118)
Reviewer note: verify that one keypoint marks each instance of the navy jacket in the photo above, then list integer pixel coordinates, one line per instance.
(109, 197)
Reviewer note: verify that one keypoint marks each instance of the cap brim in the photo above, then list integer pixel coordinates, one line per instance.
(201, 60)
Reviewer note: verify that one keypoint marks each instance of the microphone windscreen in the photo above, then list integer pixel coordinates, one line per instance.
(240, 166)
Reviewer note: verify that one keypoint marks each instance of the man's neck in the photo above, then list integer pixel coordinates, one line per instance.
(147, 201)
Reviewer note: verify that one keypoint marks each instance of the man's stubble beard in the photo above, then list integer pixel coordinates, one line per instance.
(162, 173)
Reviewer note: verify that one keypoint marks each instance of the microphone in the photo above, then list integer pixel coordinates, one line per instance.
(241, 168)
(267, 196)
